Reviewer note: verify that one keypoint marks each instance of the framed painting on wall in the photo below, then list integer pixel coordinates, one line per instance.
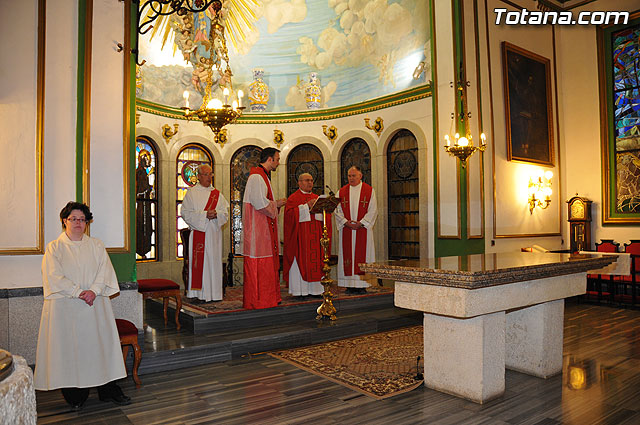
(528, 110)
(618, 55)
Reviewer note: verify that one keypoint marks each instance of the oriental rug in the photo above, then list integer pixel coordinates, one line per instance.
(232, 301)
(380, 365)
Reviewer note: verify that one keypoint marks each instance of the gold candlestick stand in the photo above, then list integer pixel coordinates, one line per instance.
(326, 309)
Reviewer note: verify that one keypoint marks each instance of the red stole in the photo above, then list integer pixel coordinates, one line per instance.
(302, 240)
(361, 233)
(273, 222)
(197, 251)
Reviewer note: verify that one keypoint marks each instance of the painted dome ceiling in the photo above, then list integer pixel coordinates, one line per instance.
(359, 49)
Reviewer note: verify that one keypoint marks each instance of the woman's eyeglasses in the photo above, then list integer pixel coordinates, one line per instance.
(77, 220)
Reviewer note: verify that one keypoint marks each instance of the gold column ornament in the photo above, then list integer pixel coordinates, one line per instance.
(167, 133)
(223, 137)
(278, 138)
(137, 118)
(331, 133)
(378, 125)
(326, 309)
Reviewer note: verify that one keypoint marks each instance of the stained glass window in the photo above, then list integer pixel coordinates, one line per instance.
(241, 162)
(355, 152)
(402, 189)
(189, 159)
(146, 200)
(305, 158)
(625, 46)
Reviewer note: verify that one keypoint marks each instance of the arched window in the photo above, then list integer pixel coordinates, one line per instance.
(402, 191)
(241, 162)
(355, 152)
(189, 159)
(305, 158)
(146, 200)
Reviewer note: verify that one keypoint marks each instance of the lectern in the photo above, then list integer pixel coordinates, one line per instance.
(326, 205)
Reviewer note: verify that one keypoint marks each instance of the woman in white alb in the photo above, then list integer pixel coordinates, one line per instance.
(78, 343)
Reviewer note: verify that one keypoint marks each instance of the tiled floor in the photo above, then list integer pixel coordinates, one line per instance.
(601, 344)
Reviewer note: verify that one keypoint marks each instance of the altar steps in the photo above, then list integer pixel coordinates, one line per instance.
(222, 337)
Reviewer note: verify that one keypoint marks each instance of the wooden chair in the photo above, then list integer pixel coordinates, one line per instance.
(630, 282)
(165, 289)
(129, 337)
(595, 281)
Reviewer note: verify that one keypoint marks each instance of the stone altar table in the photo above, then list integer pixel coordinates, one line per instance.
(485, 312)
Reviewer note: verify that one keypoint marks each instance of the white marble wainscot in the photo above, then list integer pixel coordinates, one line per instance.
(17, 395)
(474, 328)
(24, 308)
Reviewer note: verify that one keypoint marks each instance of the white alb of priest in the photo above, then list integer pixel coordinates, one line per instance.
(194, 214)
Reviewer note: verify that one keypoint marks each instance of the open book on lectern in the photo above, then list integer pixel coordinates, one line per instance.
(326, 203)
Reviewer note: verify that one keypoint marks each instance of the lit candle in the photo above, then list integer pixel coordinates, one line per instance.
(214, 104)
(234, 105)
(225, 92)
(456, 137)
(240, 94)
(185, 95)
(548, 175)
(446, 138)
(463, 141)
(483, 139)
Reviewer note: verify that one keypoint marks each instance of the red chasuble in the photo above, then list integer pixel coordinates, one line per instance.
(361, 234)
(197, 251)
(302, 240)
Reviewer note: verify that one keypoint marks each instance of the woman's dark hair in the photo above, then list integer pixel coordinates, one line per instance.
(267, 153)
(66, 211)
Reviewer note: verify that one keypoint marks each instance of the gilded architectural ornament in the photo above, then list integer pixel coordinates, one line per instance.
(167, 133)
(377, 126)
(278, 137)
(331, 133)
(223, 137)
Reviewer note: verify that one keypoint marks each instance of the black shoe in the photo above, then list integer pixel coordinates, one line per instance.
(119, 399)
(76, 407)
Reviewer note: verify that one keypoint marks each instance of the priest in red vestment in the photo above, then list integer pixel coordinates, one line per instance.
(302, 259)
(260, 232)
(355, 216)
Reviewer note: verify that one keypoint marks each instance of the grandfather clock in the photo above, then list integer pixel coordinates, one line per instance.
(580, 223)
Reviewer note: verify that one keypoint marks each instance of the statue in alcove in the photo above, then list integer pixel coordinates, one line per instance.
(144, 194)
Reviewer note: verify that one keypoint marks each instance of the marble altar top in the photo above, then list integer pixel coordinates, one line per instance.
(483, 270)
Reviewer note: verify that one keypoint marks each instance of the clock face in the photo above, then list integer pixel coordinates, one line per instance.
(577, 209)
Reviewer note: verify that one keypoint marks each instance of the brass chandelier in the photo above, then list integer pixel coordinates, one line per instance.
(462, 147)
(216, 113)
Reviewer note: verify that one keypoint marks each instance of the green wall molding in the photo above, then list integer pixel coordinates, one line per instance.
(405, 96)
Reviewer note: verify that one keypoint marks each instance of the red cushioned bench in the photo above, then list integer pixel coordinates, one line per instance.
(162, 288)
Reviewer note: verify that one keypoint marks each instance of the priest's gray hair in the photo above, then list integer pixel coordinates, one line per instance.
(201, 167)
(304, 175)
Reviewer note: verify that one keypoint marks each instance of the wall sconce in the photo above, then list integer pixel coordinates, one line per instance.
(377, 126)
(278, 138)
(167, 133)
(540, 191)
(331, 133)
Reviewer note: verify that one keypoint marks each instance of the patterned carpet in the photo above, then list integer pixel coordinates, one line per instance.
(379, 365)
(233, 300)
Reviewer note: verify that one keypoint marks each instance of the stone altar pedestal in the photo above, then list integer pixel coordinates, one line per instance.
(17, 395)
(485, 312)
